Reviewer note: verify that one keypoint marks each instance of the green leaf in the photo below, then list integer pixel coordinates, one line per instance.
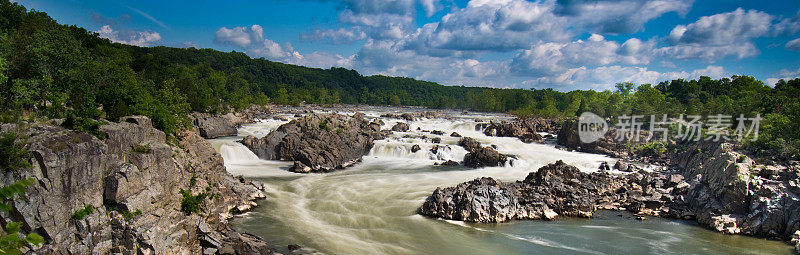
(34, 238)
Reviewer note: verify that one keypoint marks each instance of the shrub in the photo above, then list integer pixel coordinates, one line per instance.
(12, 152)
(652, 148)
(192, 203)
(741, 159)
(10, 238)
(81, 213)
(126, 214)
(88, 125)
(324, 125)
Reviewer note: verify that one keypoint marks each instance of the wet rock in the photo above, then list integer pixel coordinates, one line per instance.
(437, 132)
(450, 163)
(484, 157)
(454, 134)
(415, 148)
(436, 140)
(400, 127)
(469, 143)
(318, 143)
(214, 126)
(525, 129)
(293, 247)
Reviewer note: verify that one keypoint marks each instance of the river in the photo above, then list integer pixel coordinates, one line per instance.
(370, 208)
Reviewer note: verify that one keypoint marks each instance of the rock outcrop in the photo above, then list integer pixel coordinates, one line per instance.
(525, 129)
(480, 156)
(553, 190)
(133, 180)
(210, 126)
(720, 188)
(318, 143)
(725, 194)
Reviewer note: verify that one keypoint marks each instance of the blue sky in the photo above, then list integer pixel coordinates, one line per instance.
(560, 44)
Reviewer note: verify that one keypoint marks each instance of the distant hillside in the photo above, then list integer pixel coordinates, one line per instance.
(58, 71)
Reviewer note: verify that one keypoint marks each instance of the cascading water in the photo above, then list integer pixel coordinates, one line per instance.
(370, 208)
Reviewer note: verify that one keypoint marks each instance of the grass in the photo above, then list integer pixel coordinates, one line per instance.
(82, 213)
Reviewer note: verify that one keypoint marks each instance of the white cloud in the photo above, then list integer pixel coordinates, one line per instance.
(605, 77)
(551, 58)
(793, 45)
(338, 36)
(132, 37)
(784, 74)
(619, 16)
(717, 36)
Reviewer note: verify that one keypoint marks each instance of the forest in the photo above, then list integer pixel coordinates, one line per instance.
(50, 70)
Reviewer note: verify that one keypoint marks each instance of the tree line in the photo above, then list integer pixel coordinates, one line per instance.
(50, 70)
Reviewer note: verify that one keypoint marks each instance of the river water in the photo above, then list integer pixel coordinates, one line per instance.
(370, 208)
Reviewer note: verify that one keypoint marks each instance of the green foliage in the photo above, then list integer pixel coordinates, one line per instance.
(10, 238)
(12, 152)
(58, 71)
(81, 213)
(741, 159)
(81, 124)
(324, 125)
(126, 214)
(192, 203)
(652, 148)
(141, 148)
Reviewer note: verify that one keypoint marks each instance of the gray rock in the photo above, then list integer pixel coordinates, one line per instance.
(318, 143)
(400, 127)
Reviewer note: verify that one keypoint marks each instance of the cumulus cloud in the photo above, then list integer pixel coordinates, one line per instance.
(252, 41)
(784, 74)
(605, 77)
(619, 16)
(128, 36)
(551, 58)
(720, 35)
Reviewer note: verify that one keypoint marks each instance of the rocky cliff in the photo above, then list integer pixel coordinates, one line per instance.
(319, 143)
(720, 188)
(133, 181)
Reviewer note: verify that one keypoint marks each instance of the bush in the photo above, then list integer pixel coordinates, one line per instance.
(88, 125)
(126, 214)
(192, 203)
(12, 152)
(10, 238)
(652, 148)
(324, 125)
(80, 214)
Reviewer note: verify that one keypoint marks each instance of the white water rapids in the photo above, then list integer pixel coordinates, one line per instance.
(370, 208)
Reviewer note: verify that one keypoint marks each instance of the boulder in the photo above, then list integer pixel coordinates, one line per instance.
(484, 157)
(454, 134)
(214, 126)
(400, 127)
(469, 143)
(318, 143)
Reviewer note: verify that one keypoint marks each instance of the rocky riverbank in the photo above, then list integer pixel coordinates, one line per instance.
(319, 142)
(713, 184)
(130, 192)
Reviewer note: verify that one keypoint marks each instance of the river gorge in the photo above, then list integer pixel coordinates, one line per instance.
(371, 207)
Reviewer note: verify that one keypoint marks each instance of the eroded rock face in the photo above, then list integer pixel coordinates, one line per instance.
(74, 170)
(524, 129)
(555, 189)
(723, 194)
(210, 126)
(318, 143)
